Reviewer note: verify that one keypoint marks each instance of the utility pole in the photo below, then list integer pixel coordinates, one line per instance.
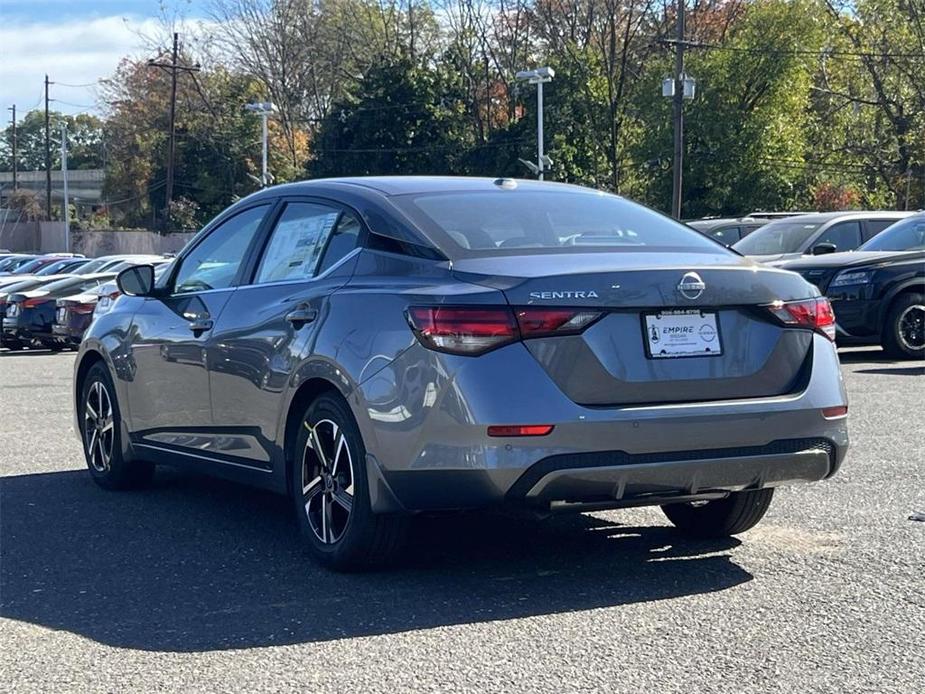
(65, 206)
(678, 103)
(47, 155)
(15, 162)
(173, 67)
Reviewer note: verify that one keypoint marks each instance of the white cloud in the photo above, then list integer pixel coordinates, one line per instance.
(70, 52)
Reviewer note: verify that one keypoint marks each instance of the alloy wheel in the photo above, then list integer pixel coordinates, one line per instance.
(912, 327)
(99, 427)
(327, 480)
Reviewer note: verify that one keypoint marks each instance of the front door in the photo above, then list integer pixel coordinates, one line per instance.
(168, 394)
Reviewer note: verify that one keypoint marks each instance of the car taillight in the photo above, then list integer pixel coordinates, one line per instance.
(32, 303)
(815, 314)
(82, 308)
(476, 330)
(462, 330)
(536, 322)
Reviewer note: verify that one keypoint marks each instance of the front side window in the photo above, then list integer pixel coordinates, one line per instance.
(214, 263)
(845, 236)
(297, 241)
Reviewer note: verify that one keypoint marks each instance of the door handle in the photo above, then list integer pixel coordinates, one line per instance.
(199, 325)
(301, 315)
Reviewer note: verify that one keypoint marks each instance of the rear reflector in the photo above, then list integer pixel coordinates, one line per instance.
(815, 314)
(536, 322)
(835, 412)
(521, 430)
(463, 330)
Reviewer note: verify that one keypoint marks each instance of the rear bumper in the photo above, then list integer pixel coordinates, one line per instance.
(424, 420)
(620, 478)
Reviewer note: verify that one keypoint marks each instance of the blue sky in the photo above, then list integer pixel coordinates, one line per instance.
(76, 42)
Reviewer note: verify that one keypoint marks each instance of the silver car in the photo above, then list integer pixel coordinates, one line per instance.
(379, 347)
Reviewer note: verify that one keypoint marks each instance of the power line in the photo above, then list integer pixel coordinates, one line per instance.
(824, 53)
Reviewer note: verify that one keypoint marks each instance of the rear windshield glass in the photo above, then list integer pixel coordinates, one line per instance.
(777, 237)
(468, 224)
(907, 235)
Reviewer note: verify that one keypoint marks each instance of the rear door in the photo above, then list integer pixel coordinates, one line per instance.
(273, 321)
(168, 395)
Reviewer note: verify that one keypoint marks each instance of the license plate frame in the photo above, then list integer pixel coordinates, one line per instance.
(698, 343)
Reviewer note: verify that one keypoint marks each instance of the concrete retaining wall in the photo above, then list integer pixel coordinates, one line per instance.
(48, 237)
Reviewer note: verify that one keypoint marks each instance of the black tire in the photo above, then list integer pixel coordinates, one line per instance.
(904, 329)
(735, 514)
(338, 538)
(100, 423)
(12, 344)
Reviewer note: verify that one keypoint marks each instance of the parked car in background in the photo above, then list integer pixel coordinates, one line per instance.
(382, 346)
(815, 234)
(727, 230)
(74, 313)
(107, 294)
(877, 291)
(11, 263)
(30, 313)
(35, 264)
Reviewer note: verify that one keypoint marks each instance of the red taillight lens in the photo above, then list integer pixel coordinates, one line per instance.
(32, 303)
(815, 314)
(463, 330)
(82, 308)
(521, 430)
(536, 322)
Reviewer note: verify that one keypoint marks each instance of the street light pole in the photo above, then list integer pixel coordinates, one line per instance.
(263, 109)
(539, 128)
(65, 207)
(678, 104)
(539, 77)
(15, 156)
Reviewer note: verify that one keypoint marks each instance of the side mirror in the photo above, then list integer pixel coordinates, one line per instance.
(824, 248)
(137, 280)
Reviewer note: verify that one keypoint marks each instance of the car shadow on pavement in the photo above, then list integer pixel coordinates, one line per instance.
(196, 564)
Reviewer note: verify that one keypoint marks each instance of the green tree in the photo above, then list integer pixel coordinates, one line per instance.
(85, 142)
(403, 117)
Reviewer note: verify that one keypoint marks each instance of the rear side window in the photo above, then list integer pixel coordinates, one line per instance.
(872, 227)
(344, 239)
(297, 242)
(845, 235)
(473, 224)
(726, 235)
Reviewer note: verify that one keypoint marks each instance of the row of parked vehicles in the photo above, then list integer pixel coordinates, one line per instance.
(871, 266)
(48, 301)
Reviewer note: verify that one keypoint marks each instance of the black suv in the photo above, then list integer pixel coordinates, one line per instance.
(877, 291)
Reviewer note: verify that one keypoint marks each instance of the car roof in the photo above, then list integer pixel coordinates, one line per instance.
(411, 185)
(719, 221)
(822, 217)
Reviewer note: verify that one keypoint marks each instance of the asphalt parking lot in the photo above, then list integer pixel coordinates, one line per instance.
(200, 585)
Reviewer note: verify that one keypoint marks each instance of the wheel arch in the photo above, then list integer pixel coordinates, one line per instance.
(87, 361)
(307, 392)
(912, 286)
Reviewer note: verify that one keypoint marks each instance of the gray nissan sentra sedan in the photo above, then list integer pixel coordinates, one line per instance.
(376, 347)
